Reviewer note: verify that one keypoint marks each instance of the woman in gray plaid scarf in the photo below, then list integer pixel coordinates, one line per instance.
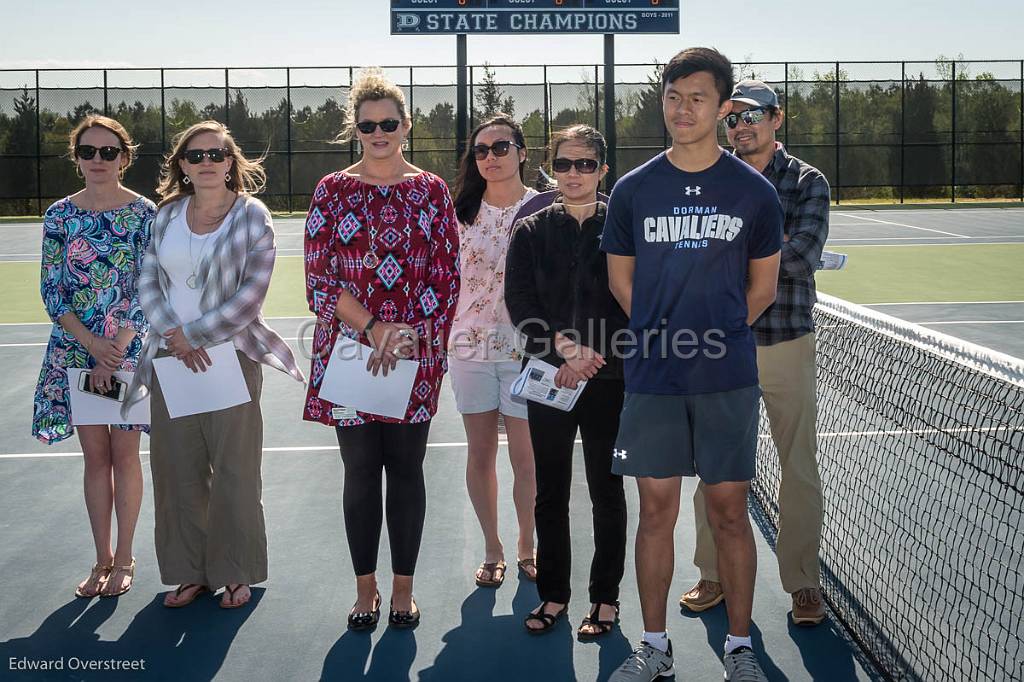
(203, 282)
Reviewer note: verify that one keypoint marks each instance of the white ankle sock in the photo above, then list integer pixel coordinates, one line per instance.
(659, 640)
(732, 643)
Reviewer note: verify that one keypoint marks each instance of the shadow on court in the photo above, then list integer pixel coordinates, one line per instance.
(187, 643)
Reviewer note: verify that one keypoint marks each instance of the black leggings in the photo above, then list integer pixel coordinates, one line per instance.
(552, 432)
(366, 450)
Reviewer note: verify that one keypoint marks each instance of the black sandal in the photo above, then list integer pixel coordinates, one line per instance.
(547, 619)
(404, 619)
(365, 620)
(603, 626)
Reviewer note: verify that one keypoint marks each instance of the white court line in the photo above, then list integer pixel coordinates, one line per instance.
(920, 239)
(973, 322)
(894, 246)
(889, 222)
(943, 303)
(763, 436)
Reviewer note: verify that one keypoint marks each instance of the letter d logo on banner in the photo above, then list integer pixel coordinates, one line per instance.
(408, 21)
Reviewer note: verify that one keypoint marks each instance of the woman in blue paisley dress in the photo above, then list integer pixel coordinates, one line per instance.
(93, 243)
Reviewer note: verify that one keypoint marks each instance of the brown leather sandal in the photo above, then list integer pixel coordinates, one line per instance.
(532, 563)
(97, 575)
(495, 569)
(128, 571)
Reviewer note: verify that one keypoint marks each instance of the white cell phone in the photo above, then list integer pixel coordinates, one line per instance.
(116, 392)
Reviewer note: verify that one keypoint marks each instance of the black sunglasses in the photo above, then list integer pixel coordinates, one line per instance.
(562, 165)
(216, 155)
(750, 117)
(388, 125)
(499, 148)
(87, 151)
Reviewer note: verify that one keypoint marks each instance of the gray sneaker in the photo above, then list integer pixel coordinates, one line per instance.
(742, 666)
(646, 663)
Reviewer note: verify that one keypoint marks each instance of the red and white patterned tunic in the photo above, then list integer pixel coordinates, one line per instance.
(416, 281)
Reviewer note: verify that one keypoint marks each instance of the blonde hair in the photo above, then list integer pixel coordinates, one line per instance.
(246, 175)
(370, 86)
(96, 121)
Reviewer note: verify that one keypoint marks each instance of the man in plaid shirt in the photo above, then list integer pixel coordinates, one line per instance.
(785, 359)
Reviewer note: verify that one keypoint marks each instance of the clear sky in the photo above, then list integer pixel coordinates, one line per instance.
(70, 33)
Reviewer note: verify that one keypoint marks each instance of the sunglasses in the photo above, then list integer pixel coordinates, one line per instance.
(499, 148)
(388, 125)
(87, 151)
(585, 166)
(750, 117)
(216, 155)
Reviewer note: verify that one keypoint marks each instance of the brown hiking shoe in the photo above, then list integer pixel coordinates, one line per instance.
(702, 596)
(808, 608)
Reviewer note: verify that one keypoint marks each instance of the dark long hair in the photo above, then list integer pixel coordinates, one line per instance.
(470, 185)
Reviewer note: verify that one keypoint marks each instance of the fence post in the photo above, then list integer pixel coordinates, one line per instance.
(952, 132)
(106, 103)
(903, 128)
(163, 115)
(227, 100)
(597, 99)
(610, 133)
(547, 110)
(39, 152)
(352, 138)
(288, 129)
(1022, 130)
(785, 95)
(839, 184)
(412, 112)
(463, 108)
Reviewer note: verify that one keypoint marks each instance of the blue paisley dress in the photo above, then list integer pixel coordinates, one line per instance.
(91, 261)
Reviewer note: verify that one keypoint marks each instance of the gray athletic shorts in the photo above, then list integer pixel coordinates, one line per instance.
(710, 435)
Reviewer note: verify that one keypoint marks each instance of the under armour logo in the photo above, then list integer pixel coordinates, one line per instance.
(618, 454)
(693, 190)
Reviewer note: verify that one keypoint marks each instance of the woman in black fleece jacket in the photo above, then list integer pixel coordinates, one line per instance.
(556, 290)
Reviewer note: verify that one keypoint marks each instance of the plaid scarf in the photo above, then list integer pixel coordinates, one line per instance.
(234, 279)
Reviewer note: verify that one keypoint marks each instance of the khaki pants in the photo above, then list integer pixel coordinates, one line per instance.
(787, 375)
(207, 489)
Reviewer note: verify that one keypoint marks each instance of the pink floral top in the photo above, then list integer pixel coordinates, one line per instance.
(482, 330)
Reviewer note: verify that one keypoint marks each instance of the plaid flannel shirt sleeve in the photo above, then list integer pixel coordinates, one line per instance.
(157, 309)
(807, 226)
(237, 311)
(134, 317)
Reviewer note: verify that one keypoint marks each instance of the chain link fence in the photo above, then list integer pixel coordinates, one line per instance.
(885, 131)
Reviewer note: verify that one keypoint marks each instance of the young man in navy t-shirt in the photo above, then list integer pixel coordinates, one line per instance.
(693, 239)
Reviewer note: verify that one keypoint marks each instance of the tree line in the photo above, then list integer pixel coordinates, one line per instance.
(895, 138)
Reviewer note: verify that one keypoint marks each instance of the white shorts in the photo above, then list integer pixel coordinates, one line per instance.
(484, 386)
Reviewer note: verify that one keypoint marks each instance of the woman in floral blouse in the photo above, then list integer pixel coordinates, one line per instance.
(93, 243)
(484, 346)
(381, 252)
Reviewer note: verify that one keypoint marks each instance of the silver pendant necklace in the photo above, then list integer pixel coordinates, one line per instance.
(191, 282)
(370, 259)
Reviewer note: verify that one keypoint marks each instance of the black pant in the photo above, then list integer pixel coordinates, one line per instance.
(552, 433)
(398, 449)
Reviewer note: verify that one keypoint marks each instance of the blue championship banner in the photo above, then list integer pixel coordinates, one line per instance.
(534, 16)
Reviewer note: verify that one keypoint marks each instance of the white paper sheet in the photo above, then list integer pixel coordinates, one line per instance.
(89, 409)
(348, 383)
(186, 392)
(537, 383)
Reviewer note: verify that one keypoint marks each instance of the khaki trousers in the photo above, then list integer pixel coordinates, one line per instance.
(787, 376)
(207, 489)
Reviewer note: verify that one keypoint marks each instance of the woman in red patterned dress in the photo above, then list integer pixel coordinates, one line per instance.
(381, 250)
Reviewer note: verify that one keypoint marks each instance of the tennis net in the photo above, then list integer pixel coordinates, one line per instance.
(920, 448)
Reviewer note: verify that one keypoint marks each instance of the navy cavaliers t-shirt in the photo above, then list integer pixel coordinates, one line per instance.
(692, 235)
